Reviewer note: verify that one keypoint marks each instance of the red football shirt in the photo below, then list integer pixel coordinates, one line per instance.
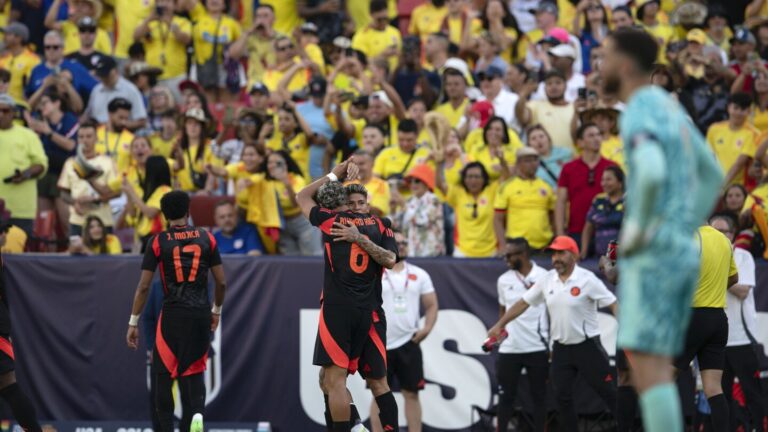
(582, 184)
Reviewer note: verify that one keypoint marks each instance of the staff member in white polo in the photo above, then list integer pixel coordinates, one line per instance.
(527, 345)
(404, 289)
(740, 358)
(572, 296)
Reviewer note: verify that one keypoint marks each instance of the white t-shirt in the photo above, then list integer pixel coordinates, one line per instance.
(572, 304)
(530, 331)
(504, 107)
(571, 88)
(736, 334)
(401, 292)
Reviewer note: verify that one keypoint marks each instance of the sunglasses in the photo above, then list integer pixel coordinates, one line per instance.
(402, 243)
(487, 77)
(52, 47)
(87, 29)
(284, 47)
(416, 181)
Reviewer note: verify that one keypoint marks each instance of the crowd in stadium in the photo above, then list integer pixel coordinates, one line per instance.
(471, 121)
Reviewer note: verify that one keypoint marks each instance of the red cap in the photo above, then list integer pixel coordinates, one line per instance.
(564, 243)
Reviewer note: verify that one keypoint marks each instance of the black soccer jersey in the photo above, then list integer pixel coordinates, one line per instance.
(351, 275)
(5, 316)
(185, 255)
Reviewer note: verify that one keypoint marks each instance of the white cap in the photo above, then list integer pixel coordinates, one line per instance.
(457, 64)
(563, 50)
(382, 96)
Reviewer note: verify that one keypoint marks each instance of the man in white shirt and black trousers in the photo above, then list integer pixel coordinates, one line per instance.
(527, 345)
(572, 296)
(406, 288)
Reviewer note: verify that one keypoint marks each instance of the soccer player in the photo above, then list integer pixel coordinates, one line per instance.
(673, 184)
(10, 391)
(348, 317)
(185, 254)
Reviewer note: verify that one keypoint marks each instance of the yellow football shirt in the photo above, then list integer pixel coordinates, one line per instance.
(426, 19)
(717, 265)
(286, 15)
(129, 14)
(493, 164)
(373, 42)
(527, 204)
(729, 144)
(272, 77)
(555, 120)
(261, 55)
(453, 115)
(164, 50)
(613, 150)
(184, 176)
(71, 36)
(378, 193)
(20, 68)
(297, 183)
(663, 34)
(298, 148)
(115, 145)
(204, 33)
(759, 119)
(144, 226)
(393, 161)
(473, 233)
(20, 148)
(113, 246)
(162, 147)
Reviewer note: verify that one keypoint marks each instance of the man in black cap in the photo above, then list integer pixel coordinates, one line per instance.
(260, 99)
(745, 59)
(87, 55)
(113, 86)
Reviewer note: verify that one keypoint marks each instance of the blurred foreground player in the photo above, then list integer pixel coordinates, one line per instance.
(352, 330)
(20, 405)
(184, 254)
(673, 184)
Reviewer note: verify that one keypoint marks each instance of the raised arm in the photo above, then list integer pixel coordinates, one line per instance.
(306, 197)
(51, 22)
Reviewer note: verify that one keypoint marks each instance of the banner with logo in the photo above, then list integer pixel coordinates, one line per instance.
(70, 319)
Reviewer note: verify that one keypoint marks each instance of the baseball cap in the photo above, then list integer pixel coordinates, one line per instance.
(342, 42)
(526, 151)
(309, 27)
(564, 243)
(548, 40)
(6, 99)
(119, 103)
(382, 96)
(491, 72)
(696, 35)
(190, 85)
(197, 114)
(563, 50)
(259, 88)
(546, 6)
(457, 64)
(560, 34)
(105, 66)
(138, 68)
(86, 22)
(317, 86)
(18, 29)
(742, 34)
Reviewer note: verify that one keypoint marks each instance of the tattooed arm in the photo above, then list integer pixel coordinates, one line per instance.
(350, 234)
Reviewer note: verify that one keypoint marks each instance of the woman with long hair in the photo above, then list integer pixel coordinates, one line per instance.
(497, 151)
(759, 115)
(96, 240)
(143, 211)
(595, 18)
(606, 214)
(292, 135)
(161, 100)
(551, 158)
(194, 150)
(498, 21)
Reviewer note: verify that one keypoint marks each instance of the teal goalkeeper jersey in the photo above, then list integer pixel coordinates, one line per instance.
(674, 178)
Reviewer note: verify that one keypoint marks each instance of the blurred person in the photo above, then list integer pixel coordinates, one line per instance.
(307, 42)
(144, 77)
(234, 236)
(436, 50)
(79, 11)
(420, 217)
(410, 79)
(716, 27)
(326, 16)
(552, 113)
(313, 112)
(456, 21)
(498, 21)
(76, 179)
(402, 307)
(580, 181)
(165, 37)
(260, 102)
(605, 215)
(762, 39)
(562, 58)
(112, 86)
(417, 109)
(740, 359)
(546, 19)
(257, 43)
(142, 212)
(621, 17)
(527, 344)
(195, 151)
(385, 110)
(708, 96)
(129, 15)
(20, 405)
(113, 138)
(504, 101)
(20, 172)
(733, 201)
(524, 205)
(734, 141)
(607, 120)
(379, 39)
(17, 58)
(161, 100)
(250, 163)
(427, 18)
(551, 158)
(213, 66)
(647, 14)
(379, 196)
(455, 101)
(165, 139)
(246, 129)
(68, 72)
(140, 150)
(289, 74)
(472, 201)
(394, 162)
(292, 133)
(57, 129)
(286, 15)
(372, 140)
(95, 240)
(497, 150)
(572, 296)
(88, 55)
(516, 76)
(744, 60)
(489, 51)
(595, 18)
(759, 113)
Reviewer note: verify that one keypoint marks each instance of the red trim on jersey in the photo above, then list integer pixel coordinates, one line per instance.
(354, 364)
(198, 366)
(7, 348)
(338, 356)
(327, 225)
(162, 277)
(375, 316)
(166, 355)
(382, 228)
(156, 246)
(378, 342)
(213, 239)
(330, 257)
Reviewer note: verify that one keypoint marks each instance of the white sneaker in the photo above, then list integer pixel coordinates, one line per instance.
(197, 423)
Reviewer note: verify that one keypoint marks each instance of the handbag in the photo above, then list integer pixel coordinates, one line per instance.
(762, 360)
(198, 179)
(208, 72)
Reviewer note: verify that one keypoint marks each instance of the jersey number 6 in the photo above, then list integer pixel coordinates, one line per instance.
(188, 249)
(358, 259)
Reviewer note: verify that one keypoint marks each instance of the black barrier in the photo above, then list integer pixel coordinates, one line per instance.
(70, 318)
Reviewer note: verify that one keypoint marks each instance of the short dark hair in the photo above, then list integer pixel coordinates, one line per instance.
(638, 45)
(222, 203)
(618, 173)
(175, 205)
(356, 188)
(268, 6)
(583, 129)
(741, 100)
(118, 104)
(408, 125)
(727, 217)
(417, 99)
(378, 6)
(519, 241)
(483, 172)
(331, 195)
(5, 75)
(504, 127)
(90, 123)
